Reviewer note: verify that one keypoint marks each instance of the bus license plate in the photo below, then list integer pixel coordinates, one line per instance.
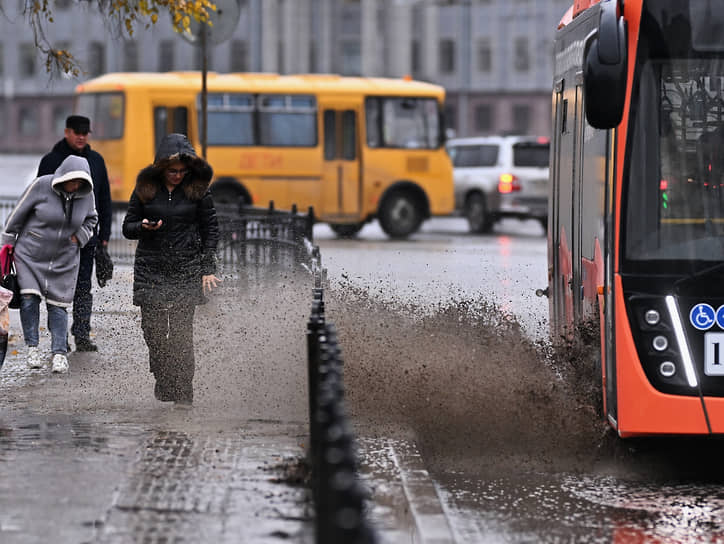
(714, 354)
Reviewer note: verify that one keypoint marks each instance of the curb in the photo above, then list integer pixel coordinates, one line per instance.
(403, 501)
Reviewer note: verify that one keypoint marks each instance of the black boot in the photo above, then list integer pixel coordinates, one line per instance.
(85, 344)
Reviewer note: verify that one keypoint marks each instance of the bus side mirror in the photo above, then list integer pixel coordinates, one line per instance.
(605, 69)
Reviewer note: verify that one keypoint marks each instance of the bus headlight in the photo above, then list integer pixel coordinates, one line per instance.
(652, 317)
(667, 369)
(660, 343)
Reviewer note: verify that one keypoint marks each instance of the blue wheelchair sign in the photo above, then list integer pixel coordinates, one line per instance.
(702, 316)
(720, 316)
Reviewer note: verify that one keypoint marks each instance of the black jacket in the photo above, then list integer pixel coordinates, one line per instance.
(101, 188)
(171, 260)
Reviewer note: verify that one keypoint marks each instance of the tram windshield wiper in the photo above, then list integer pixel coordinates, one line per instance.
(705, 272)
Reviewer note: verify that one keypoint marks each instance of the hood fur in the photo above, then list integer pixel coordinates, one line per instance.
(194, 185)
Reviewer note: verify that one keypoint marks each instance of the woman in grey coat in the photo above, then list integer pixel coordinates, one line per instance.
(53, 219)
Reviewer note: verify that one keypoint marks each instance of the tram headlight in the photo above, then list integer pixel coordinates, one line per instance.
(660, 343)
(652, 317)
(667, 369)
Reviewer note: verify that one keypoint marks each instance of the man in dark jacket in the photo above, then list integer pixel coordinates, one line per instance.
(75, 142)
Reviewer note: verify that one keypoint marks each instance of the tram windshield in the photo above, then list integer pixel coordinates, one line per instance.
(674, 188)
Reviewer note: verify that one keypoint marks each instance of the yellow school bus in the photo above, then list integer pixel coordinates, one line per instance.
(354, 148)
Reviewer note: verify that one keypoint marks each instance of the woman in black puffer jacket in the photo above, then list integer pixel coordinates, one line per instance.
(172, 216)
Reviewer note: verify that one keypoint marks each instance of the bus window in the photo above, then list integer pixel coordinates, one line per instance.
(349, 135)
(330, 135)
(402, 122)
(105, 110)
(230, 118)
(169, 120)
(287, 120)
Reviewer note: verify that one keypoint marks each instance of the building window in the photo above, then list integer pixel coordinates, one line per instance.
(165, 56)
(451, 118)
(96, 59)
(521, 118)
(280, 57)
(238, 56)
(351, 58)
(447, 56)
(28, 121)
(483, 118)
(27, 60)
(130, 57)
(521, 59)
(313, 62)
(59, 115)
(62, 4)
(415, 64)
(485, 55)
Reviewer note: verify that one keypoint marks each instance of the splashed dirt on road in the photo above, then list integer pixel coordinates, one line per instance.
(473, 387)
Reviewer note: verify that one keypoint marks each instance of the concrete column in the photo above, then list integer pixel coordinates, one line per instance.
(430, 45)
(254, 31)
(399, 43)
(370, 45)
(297, 31)
(324, 39)
(269, 35)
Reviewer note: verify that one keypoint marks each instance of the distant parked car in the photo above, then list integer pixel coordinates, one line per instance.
(500, 176)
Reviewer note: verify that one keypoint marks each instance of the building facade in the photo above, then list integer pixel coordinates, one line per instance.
(494, 57)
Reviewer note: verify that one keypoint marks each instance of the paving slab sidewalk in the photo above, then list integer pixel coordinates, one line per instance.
(91, 456)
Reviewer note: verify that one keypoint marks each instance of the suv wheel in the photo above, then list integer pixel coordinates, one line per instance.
(476, 212)
(400, 214)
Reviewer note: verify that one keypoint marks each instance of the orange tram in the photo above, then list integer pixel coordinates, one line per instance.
(636, 206)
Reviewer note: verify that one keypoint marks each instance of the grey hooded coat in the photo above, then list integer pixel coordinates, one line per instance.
(41, 225)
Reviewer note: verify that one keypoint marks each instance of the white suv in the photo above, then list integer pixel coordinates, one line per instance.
(500, 176)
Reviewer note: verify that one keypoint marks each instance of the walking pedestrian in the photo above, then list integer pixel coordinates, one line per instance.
(75, 142)
(54, 218)
(172, 216)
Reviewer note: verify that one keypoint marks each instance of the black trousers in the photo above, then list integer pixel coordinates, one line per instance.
(83, 298)
(169, 335)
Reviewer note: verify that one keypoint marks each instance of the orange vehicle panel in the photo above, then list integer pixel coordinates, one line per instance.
(642, 409)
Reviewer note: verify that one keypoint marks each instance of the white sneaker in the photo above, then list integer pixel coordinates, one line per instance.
(34, 359)
(60, 363)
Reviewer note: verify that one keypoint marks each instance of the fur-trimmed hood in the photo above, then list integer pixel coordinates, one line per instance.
(175, 147)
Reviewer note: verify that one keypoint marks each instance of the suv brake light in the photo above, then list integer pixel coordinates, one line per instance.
(508, 183)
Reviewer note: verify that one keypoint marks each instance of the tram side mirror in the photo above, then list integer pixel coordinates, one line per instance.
(605, 69)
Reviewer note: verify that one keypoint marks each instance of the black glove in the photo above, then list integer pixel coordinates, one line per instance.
(104, 265)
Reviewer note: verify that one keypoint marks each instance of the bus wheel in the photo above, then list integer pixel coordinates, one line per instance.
(346, 230)
(476, 212)
(400, 214)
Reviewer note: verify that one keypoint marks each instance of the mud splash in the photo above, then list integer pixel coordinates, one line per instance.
(478, 393)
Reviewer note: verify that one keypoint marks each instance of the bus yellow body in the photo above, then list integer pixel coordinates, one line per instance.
(352, 148)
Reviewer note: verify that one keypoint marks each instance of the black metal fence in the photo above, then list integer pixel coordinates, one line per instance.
(338, 496)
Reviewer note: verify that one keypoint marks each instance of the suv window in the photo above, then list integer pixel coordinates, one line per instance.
(531, 154)
(474, 155)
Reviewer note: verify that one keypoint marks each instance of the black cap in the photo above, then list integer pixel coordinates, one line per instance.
(78, 124)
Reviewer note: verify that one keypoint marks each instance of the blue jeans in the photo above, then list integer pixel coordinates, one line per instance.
(57, 323)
